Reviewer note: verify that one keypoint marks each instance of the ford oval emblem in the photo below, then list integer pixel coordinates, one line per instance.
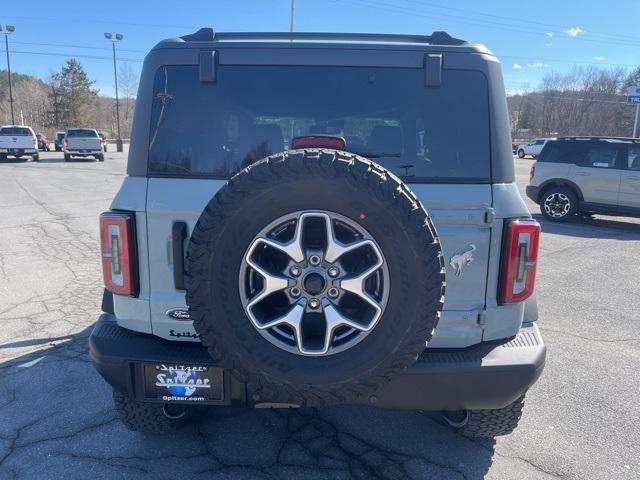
(178, 314)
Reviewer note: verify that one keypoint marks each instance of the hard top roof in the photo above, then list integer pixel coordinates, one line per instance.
(208, 37)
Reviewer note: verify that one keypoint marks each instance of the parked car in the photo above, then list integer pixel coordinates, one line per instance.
(586, 175)
(18, 141)
(82, 142)
(43, 144)
(103, 139)
(58, 142)
(533, 148)
(247, 266)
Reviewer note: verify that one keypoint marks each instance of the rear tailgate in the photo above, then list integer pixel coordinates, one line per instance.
(83, 143)
(11, 141)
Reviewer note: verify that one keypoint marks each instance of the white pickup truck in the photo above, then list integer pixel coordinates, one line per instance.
(82, 142)
(18, 141)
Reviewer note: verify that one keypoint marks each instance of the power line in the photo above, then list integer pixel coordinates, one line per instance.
(559, 28)
(394, 8)
(73, 55)
(66, 45)
(101, 22)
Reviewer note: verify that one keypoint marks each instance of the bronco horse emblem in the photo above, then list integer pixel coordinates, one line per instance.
(462, 259)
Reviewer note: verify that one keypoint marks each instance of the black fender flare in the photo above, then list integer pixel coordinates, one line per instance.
(560, 182)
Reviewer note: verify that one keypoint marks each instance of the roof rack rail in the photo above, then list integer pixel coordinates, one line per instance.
(597, 137)
(436, 38)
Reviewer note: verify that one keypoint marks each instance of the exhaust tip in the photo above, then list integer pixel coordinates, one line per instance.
(173, 411)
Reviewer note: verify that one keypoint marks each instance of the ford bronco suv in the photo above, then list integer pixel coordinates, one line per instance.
(293, 206)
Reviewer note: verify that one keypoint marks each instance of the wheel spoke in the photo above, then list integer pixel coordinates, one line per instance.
(336, 320)
(292, 318)
(336, 249)
(355, 285)
(272, 283)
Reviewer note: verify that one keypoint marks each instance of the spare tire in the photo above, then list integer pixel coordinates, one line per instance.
(315, 276)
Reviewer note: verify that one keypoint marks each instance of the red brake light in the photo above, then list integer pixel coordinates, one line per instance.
(319, 141)
(35, 141)
(66, 142)
(118, 253)
(519, 260)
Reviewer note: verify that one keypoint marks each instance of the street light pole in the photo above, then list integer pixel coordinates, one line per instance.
(10, 29)
(293, 16)
(118, 36)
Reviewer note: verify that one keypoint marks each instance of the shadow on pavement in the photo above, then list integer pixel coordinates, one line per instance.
(59, 421)
(598, 227)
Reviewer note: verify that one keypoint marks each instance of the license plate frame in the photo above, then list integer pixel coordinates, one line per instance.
(183, 383)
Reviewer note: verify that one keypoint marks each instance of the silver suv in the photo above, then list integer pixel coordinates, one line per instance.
(586, 175)
(293, 205)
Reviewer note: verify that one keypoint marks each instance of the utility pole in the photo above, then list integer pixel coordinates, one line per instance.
(118, 36)
(293, 16)
(635, 123)
(10, 29)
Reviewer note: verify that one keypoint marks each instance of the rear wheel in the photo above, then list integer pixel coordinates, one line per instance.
(558, 204)
(67, 157)
(36, 157)
(100, 158)
(486, 423)
(148, 417)
(520, 153)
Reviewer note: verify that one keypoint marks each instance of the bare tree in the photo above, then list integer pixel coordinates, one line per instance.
(128, 81)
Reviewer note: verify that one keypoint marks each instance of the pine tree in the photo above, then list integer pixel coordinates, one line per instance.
(72, 95)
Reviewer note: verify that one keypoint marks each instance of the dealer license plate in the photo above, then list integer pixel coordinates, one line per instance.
(183, 383)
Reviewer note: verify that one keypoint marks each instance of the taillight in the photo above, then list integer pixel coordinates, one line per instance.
(519, 260)
(35, 142)
(66, 142)
(118, 252)
(532, 172)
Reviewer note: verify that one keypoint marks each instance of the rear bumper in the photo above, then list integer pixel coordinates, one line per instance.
(485, 376)
(18, 151)
(533, 192)
(83, 153)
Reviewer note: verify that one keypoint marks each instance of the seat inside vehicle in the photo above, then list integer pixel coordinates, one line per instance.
(385, 141)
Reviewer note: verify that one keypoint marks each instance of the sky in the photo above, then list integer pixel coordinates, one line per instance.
(531, 39)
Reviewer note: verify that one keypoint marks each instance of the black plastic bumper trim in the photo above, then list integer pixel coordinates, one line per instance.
(485, 376)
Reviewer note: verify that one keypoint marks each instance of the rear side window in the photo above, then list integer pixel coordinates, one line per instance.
(634, 158)
(17, 131)
(386, 114)
(602, 156)
(563, 152)
(82, 132)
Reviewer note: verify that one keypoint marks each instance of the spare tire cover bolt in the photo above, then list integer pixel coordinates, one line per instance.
(295, 271)
(314, 260)
(333, 292)
(295, 292)
(333, 271)
(314, 303)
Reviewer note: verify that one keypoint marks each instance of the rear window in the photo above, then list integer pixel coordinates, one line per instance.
(564, 152)
(81, 132)
(387, 114)
(18, 131)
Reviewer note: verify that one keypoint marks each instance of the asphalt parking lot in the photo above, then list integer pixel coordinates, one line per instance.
(581, 419)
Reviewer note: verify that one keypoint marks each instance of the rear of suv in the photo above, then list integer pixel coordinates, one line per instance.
(292, 206)
(586, 175)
